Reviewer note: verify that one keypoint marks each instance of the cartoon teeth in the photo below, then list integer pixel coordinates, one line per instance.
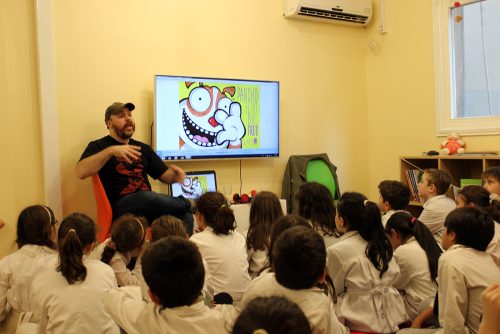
(196, 134)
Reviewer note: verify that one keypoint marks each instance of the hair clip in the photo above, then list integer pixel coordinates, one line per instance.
(413, 220)
(365, 202)
(71, 230)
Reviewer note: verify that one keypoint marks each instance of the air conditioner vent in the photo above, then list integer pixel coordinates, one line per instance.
(357, 13)
(333, 15)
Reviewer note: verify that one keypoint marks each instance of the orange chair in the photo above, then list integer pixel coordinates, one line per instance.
(104, 211)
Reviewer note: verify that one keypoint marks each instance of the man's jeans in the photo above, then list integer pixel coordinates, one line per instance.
(153, 205)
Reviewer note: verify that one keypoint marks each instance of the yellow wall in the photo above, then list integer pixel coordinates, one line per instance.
(363, 106)
(21, 160)
(401, 91)
(110, 50)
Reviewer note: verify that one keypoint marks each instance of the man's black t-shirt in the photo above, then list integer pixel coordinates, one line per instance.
(120, 178)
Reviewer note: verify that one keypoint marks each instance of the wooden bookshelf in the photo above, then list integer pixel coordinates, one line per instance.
(459, 167)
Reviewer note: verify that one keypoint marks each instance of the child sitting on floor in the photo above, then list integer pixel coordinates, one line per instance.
(476, 196)
(394, 196)
(432, 188)
(271, 315)
(417, 254)
(317, 206)
(69, 297)
(363, 269)
(36, 235)
(173, 270)
(223, 248)
(299, 258)
(264, 211)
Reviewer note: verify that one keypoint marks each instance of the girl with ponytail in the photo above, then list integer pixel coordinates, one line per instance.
(222, 248)
(127, 241)
(417, 253)
(69, 297)
(363, 270)
(36, 228)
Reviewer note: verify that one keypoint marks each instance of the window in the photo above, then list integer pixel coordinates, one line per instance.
(467, 66)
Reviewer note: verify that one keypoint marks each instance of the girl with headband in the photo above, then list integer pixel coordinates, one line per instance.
(127, 241)
(37, 252)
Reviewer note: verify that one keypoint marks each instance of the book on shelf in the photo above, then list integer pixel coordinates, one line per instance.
(470, 182)
(413, 177)
(455, 191)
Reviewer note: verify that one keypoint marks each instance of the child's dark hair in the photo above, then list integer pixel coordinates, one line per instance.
(473, 227)
(479, 196)
(395, 193)
(299, 258)
(217, 213)
(264, 211)
(492, 172)
(364, 216)
(475, 194)
(127, 233)
(407, 226)
(439, 178)
(76, 232)
(316, 205)
(274, 315)
(167, 226)
(173, 270)
(34, 226)
(494, 210)
(281, 225)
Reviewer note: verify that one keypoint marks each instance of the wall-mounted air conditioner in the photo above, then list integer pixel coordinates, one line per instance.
(350, 12)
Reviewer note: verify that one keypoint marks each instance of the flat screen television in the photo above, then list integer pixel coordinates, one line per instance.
(213, 118)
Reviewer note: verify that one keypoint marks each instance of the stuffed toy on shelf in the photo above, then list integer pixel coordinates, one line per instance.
(452, 145)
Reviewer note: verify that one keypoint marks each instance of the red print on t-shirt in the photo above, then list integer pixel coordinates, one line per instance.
(134, 174)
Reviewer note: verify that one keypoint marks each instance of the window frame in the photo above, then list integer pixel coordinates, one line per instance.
(483, 125)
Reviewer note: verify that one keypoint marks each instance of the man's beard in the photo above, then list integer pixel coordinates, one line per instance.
(125, 134)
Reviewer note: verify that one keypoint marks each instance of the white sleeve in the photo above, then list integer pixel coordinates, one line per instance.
(334, 325)
(405, 278)
(208, 289)
(433, 220)
(336, 270)
(452, 299)
(39, 308)
(125, 276)
(124, 305)
(4, 287)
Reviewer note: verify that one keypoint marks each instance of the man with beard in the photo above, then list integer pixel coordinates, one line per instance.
(123, 165)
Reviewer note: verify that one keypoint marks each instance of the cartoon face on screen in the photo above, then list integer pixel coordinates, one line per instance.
(191, 188)
(210, 119)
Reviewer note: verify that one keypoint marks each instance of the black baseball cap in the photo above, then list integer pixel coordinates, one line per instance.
(117, 108)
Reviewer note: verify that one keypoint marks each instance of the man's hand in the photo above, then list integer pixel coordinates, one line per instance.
(129, 153)
(93, 164)
(172, 175)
